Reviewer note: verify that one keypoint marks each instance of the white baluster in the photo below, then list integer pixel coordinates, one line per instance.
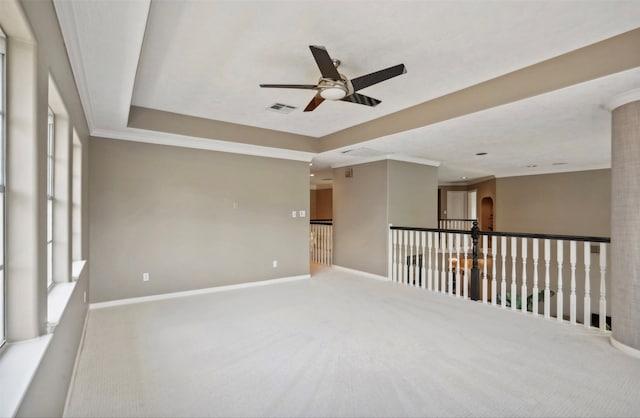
(503, 284)
(514, 289)
(494, 272)
(560, 295)
(523, 288)
(536, 246)
(396, 259)
(436, 271)
(572, 295)
(485, 250)
(465, 280)
(318, 244)
(423, 259)
(587, 285)
(547, 278)
(443, 279)
(459, 267)
(318, 240)
(325, 244)
(390, 255)
(330, 245)
(411, 278)
(429, 271)
(311, 245)
(403, 258)
(603, 289)
(450, 247)
(323, 254)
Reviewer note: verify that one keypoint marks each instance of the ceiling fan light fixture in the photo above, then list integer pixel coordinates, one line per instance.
(336, 92)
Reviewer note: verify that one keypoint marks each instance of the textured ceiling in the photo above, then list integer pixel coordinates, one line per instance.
(206, 59)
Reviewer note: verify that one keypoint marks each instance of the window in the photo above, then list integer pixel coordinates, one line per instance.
(50, 162)
(76, 199)
(2, 191)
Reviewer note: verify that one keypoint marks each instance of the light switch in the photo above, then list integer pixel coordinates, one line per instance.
(303, 213)
(293, 214)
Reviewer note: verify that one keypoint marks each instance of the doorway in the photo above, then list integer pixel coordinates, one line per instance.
(486, 214)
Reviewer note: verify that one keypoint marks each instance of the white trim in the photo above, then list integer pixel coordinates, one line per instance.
(363, 273)
(66, 17)
(623, 98)
(216, 289)
(633, 352)
(76, 269)
(161, 138)
(75, 365)
(18, 366)
(394, 157)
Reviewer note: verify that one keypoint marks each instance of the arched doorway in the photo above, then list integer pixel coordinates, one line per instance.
(486, 214)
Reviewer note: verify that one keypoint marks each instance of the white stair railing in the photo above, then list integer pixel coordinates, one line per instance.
(321, 242)
(440, 261)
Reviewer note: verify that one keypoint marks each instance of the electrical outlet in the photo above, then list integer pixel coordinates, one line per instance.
(303, 213)
(275, 263)
(293, 214)
(145, 277)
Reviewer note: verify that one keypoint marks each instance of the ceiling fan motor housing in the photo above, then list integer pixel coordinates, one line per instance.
(334, 89)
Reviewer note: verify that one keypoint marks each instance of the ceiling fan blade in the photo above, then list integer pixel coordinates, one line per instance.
(362, 99)
(325, 63)
(315, 102)
(290, 86)
(375, 78)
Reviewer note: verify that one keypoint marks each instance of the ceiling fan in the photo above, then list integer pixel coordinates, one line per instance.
(335, 86)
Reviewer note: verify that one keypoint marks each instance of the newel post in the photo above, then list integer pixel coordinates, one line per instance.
(475, 272)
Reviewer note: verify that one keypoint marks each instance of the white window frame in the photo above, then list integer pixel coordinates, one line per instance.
(3, 132)
(50, 192)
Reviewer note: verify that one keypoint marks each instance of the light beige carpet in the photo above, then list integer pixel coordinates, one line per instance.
(343, 345)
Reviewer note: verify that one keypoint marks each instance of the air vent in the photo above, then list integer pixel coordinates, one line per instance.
(281, 108)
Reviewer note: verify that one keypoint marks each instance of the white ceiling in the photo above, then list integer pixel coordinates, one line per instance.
(206, 59)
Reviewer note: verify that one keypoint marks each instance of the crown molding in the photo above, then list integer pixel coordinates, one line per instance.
(392, 157)
(159, 138)
(68, 27)
(623, 98)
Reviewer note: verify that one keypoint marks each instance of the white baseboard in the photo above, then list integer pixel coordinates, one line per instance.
(363, 273)
(216, 289)
(634, 352)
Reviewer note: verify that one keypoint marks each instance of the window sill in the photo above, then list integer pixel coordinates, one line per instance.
(19, 361)
(18, 365)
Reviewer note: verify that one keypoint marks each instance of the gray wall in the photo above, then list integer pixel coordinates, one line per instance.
(577, 203)
(379, 193)
(360, 218)
(170, 211)
(413, 194)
